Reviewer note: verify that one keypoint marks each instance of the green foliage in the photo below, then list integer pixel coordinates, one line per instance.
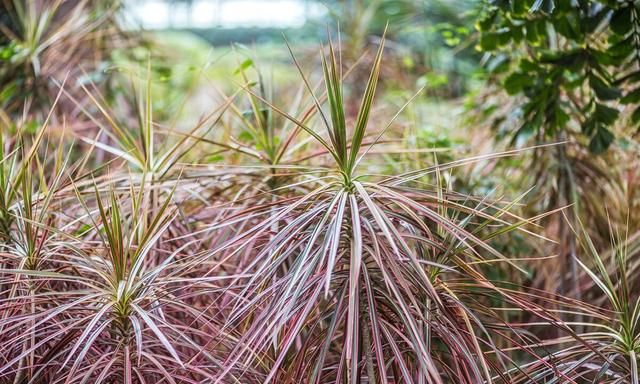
(576, 64)
(423, 33)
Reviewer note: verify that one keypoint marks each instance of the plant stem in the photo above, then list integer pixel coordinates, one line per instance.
(366, 341)
(634, 366)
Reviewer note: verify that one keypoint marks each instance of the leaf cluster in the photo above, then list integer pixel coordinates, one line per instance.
(575, 64)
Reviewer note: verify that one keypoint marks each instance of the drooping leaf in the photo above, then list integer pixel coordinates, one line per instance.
(601, 140)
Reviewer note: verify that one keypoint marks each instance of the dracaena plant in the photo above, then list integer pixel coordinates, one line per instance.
(266, 136)
(29, 249)
(98, 295)
(44, 41)
(257, 133)
(606, 345)
(366, 276)
(19, 154)
(117, 301)
(148, 148)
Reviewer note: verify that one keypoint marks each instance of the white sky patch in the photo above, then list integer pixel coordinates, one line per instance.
(161, 14)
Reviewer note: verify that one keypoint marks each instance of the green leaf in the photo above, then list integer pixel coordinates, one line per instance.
(517, 33)
(631, 97)
(558, 117)
(518, 7)
(245, 137)
(594, 21)
(573, 59)
(215, 159)
(8, 51)
(635, 116)
(243, 66)
(564, 27)
(31, 127)
(621, 49)
(489, 41)
(601, 141)
(532, 32)
(632, 77)
(164, 72)
(365, 106)
(589, 126)
(605, 115)
(621, 21)
(529, 66)
(504, 4)
(7, 92)
(486, 22)
(503, 36)
(516, 82)
(602, 89)
(602, 58)
(498, 64)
